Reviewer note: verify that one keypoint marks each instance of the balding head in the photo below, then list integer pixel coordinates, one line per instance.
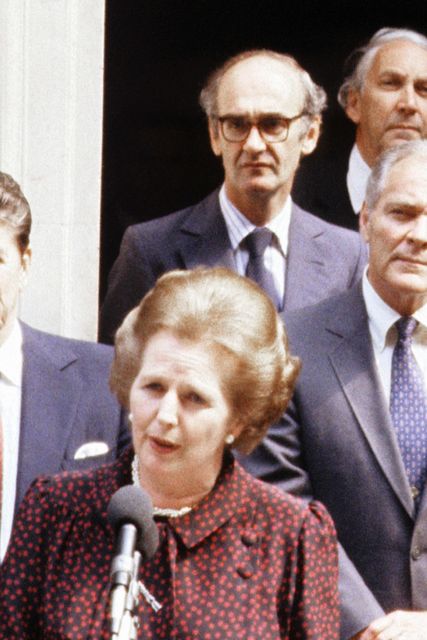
(264, 114)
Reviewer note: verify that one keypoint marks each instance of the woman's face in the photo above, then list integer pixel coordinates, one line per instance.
(180, 414)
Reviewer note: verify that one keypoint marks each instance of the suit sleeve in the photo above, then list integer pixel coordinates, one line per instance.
(130, 278)
(279, 459)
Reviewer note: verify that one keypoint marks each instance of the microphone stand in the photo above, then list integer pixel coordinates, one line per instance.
(126, 627)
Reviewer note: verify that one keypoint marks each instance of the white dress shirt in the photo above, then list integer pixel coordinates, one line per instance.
(10, 400)
(357, 179)
(384, 334)
(238, 227)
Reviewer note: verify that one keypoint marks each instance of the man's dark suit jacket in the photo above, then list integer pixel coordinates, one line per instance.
(321, 187)
(322, 258)
(337, 443)
(66, 402)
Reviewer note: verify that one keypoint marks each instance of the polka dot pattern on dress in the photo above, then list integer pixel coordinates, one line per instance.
(248, 563)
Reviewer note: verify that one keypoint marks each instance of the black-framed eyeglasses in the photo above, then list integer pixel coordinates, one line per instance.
(272, 128)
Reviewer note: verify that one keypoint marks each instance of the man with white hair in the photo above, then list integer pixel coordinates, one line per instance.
(386, 98)
(355, 434)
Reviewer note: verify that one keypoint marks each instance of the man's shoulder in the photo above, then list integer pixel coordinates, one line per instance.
(339, 310)
(175, 220)
(342, 251)
(318, 225)
(66, 349)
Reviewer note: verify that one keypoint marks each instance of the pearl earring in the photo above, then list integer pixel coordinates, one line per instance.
(130, 418)
(229, 439)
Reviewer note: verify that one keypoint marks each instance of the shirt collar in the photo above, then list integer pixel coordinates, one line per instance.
(381, 316)
(238, 225)
(11, 356)
(357, 178)
(224, 501)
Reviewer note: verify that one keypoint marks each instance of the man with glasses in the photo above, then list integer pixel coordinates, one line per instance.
(264, 114)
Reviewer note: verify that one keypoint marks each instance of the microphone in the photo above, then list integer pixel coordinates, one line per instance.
(130, 512)
(132, 505)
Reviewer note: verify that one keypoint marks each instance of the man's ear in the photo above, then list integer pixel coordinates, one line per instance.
(25, 267)
(353, 107)
(214, 137)
(312, 136)
(364, 223)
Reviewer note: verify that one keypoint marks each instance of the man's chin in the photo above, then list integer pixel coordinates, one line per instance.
(260, 185)
(412, 282)
(395, 137)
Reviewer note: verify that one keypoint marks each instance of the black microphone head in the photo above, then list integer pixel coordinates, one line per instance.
(130, 504)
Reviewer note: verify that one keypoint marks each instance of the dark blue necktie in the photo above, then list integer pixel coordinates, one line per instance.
(256, 243)
(408, 407)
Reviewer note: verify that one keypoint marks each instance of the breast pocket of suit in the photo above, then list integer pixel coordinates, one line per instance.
(88, 456)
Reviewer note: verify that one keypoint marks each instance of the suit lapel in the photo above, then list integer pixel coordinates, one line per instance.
(306, 271)
(50, 395)
(354, 364)
(204, 238)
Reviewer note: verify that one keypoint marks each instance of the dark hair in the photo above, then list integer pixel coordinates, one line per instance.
(230, 314)
(15, 211)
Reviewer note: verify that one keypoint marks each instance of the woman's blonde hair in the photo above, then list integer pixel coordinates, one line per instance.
(230, 313)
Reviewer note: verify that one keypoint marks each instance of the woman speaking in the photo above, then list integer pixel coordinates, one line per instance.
(203, 366)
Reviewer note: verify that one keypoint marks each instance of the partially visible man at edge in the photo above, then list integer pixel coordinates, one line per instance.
(264, 114)
(355, 434)
(385, 96)
(56, 409)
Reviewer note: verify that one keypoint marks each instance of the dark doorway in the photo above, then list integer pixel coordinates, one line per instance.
(158, 53)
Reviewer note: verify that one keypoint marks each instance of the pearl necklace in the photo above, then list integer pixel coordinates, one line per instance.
(157, 511)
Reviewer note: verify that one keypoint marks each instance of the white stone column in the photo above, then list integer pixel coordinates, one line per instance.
(51, 98)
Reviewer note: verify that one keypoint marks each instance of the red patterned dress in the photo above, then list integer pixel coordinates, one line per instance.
(248, 563)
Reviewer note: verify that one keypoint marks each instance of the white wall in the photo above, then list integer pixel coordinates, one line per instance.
(51, 79)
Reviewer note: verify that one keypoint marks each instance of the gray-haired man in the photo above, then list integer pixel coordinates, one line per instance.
(386, 98)
(355, 434)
